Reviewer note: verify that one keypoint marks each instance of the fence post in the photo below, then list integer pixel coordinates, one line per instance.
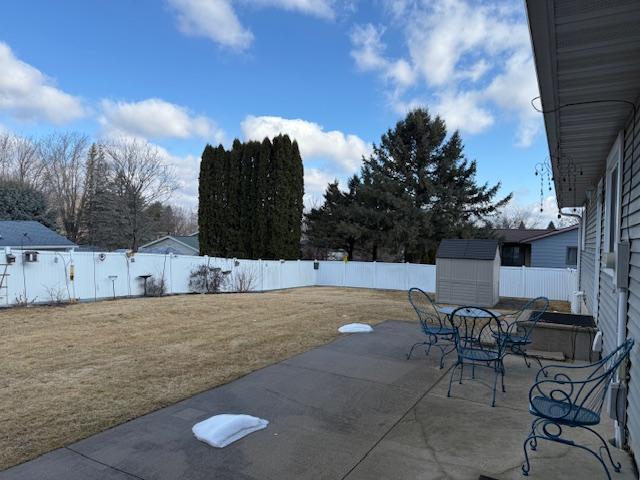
(344, 273)
(261, 273)
(406, 275)
(375, 274)
(523, 282)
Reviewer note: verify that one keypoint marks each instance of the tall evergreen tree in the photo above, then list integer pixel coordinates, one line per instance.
(251, 199)
(19, 201)
(416, 188)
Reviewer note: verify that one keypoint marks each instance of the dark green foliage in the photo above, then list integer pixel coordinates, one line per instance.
(415, 189)
(101, 217)
(251, 199)
(21, 202)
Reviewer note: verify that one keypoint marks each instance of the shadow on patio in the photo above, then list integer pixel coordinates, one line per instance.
(353, 409)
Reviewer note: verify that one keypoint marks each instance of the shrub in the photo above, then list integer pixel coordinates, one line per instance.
(207, 279)
(156, 288)
(244, 280)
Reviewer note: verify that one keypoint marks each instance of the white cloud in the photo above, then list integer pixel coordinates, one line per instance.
(472, 58)
(213, 19)
(368, 53)
(155, 118)
(315, 184)
(27, 94)
(217, 20)
(462, 111)
(536, 215)
(318, 8)
(344, 150)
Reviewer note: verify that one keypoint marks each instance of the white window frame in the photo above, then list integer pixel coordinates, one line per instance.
(614, 165)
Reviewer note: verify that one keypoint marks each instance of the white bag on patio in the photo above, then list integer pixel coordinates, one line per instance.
(355, 328)
(221, 430)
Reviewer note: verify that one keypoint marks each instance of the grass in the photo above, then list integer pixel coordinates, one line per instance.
(69, 372)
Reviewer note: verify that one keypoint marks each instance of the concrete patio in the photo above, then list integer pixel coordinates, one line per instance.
(353, 409)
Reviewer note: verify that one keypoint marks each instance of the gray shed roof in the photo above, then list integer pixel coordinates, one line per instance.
(27, 233)
(468, 249)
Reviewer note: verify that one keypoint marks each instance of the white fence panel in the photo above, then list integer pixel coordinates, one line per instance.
(104, 275)
(531, 282)
(392, 276)
(422, 276)
(359, 274)
(331, 273)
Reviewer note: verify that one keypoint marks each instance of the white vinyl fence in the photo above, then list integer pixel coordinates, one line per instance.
(60, 276)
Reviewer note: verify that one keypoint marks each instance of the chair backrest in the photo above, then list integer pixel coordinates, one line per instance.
(478, 328)
(589, 391)
(524, 326)
(426, 309)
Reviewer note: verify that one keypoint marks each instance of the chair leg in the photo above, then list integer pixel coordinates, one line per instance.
(616, 465)
(502, 375)
(461, 372)
(451, 377)
(532, 442)
(495, 384)
(414, 346)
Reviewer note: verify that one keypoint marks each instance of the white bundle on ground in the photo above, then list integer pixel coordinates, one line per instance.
(355, 328)
(221, 430)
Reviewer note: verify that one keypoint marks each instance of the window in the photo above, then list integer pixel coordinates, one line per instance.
(612, 197)
(572, 256)
(513, 256)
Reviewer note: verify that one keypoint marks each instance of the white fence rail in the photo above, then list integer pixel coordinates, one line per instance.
(89, 276)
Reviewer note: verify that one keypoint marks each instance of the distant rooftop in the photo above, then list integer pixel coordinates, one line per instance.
(27, 233)
(525, 235)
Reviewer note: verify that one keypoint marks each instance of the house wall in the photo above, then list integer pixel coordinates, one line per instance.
(630, 231)
(601, 298)
(551, 252)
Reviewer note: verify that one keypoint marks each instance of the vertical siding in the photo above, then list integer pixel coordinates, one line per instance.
(631, 232)
(587, 255)
(551, 252)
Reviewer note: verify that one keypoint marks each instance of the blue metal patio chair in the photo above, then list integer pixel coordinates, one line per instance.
(559, 401)
(519, 326)
(433, 324)
(478, 337)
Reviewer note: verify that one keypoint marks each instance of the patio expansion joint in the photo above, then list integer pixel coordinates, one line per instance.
(396, 423)
(349, 377)
(124, 472)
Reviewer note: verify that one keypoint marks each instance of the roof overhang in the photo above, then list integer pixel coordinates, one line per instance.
(584, 52)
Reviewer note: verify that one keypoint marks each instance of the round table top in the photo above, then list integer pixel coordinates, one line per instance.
(468, 312)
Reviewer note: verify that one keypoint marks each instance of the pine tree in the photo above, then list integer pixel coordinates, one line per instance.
(415, 189)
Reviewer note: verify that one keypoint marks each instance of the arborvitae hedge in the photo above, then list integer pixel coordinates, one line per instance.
(251, 200)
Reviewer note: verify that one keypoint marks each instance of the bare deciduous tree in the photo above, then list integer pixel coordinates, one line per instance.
(20, 160)
(64, 156)
(142, 176)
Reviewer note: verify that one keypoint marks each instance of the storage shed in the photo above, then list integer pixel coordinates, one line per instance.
(468, 272)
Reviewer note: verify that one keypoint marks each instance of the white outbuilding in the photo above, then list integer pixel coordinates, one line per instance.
(468, 272)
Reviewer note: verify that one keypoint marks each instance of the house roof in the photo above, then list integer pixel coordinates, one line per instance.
(190, 241)
(27, 233)
(518, 235)
(551, 233)
(468, 249)
(586, 57)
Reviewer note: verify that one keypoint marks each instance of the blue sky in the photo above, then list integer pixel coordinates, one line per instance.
(334, 74)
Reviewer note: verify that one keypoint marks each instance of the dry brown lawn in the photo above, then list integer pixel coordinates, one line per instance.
(69, 372)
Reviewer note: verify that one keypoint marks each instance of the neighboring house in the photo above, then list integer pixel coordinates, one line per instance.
(178, 244)
(589, 78)
(539, 248)
(28, 234)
